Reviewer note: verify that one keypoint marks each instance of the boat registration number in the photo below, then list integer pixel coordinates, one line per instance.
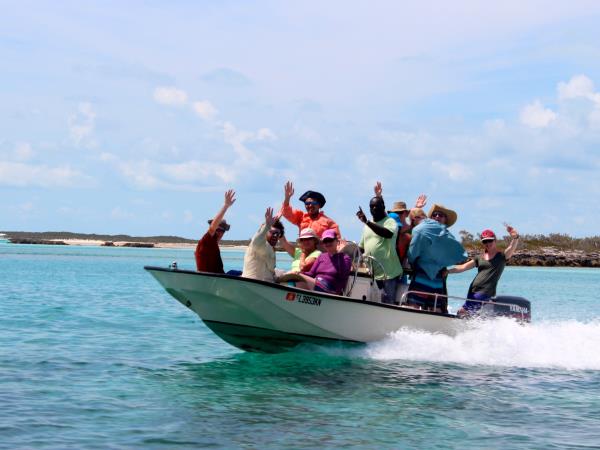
(301, 298)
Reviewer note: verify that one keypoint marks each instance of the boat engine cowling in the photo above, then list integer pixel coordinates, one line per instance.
(508, 306)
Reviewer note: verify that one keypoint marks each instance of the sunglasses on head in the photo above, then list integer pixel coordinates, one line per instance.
(313, 203)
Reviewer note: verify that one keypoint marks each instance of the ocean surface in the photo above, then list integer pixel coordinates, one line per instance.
(94, 354)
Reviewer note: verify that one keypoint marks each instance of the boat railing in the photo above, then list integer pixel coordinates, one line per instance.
(353, 250)
(489, 302)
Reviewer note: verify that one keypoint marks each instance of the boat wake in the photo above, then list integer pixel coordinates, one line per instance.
(570, 345)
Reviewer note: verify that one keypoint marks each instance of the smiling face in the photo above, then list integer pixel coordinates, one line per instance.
(489, 245)
(273, 236)
(308, 245)
(377, 208)
(440, 217)
(312, 206)
(330, 245)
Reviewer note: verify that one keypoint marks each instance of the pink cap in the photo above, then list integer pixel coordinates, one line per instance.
(329, 234)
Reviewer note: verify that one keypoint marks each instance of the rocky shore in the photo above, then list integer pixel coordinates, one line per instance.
(552, 257)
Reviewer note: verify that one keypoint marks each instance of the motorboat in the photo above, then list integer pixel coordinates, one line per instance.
(256, 315)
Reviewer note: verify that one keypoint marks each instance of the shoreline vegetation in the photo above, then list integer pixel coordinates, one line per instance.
(554, 250)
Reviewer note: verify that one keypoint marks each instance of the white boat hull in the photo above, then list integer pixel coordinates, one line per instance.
(259, 316)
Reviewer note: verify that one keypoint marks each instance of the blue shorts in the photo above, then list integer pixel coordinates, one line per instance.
(475, 306)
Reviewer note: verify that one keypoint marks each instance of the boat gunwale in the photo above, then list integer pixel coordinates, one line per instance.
(299, 290)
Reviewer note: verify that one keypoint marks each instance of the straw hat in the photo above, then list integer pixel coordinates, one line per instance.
(451, 215)
(398, 207)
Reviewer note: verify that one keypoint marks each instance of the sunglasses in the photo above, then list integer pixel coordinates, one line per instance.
(438, 214)
(276, 233)
(328, 241)
(313, 203)
(487, 241)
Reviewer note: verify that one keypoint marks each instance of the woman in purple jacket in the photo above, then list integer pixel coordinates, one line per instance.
(331, 270)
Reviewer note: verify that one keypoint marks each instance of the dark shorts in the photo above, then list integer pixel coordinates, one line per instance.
(473, 307)
(427, 301)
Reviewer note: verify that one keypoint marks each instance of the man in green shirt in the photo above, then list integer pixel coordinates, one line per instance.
(379, 241)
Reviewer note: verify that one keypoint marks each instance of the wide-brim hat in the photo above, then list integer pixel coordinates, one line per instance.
(223, 225)
(451, 215)
(317, 196)
(398, 207)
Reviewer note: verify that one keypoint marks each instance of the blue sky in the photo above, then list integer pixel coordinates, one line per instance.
(135, 119)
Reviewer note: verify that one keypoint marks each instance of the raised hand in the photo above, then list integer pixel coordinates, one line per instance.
(513, 233)
(229, 197)
(421, 201)
(378, 189)
(361, 215)
(269, 219)
(288, 190)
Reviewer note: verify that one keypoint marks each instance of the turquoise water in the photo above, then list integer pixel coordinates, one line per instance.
(94, 354)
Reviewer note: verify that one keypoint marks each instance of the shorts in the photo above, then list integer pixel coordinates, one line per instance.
(473, 307)
(427, 301)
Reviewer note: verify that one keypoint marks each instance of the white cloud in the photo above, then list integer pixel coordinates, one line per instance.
(535, 115)
(170, 96)
(24, 175)
(205, 109)
(577, 86)
(236, 138)
(81, 125)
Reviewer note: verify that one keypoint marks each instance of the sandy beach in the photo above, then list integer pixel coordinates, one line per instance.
(99, 243)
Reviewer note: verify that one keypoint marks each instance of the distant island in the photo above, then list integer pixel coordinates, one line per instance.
(535, 250)
(109, 240)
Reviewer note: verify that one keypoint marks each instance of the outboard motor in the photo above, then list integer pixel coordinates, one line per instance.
(508, 306)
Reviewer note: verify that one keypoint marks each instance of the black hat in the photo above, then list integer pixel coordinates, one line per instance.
(223, 225)
(314, 195)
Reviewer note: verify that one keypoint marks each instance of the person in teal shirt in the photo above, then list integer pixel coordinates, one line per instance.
(432, 249)
(379, 241)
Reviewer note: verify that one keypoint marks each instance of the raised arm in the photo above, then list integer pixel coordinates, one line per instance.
(285, 244)
(512, 247)
(229, 200)
(377, 229)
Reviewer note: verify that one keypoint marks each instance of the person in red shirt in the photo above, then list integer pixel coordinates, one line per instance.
(208, 255)
(313, 217)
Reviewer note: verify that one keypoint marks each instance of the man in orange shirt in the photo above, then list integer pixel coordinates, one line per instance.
(313, 217)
